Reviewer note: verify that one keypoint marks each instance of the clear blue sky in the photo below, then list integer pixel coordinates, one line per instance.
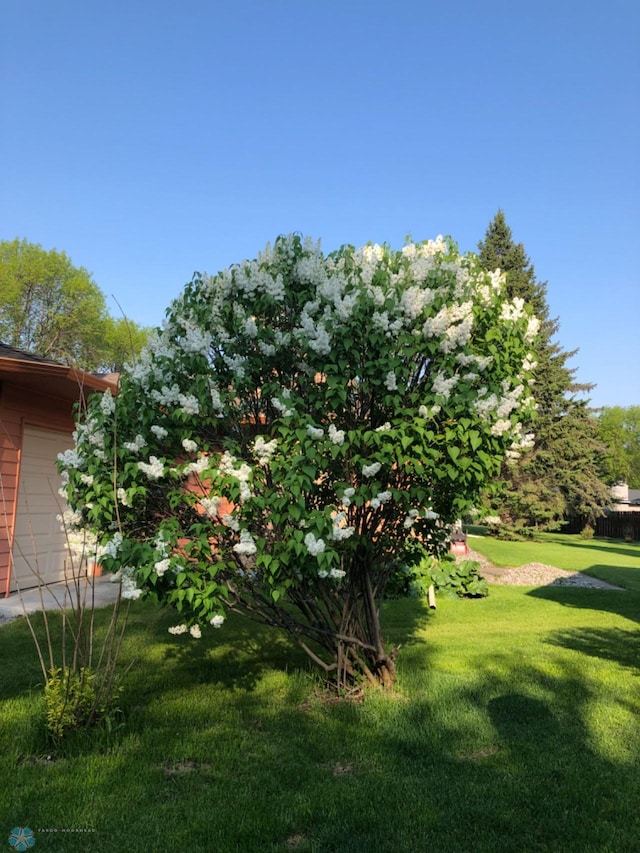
(151, 139)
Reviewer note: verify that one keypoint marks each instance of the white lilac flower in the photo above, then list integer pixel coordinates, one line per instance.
(195, 632)
(189, 445)
(129, 589)
(266, 349)
(371, 470)
(159, 432)
(217, 621)
(162, 566)
(69, 519)
(500, 427)
(110, 548)
(136, 445)
(246, 546)
(154, 469)
(121, 494)
(390, 381)
(285, 411)
(512, 310)
(107, 404)
(410, 518)
(384, 428)
(314, 546)
(177, 629)
(87, 479)
(211, 505)
(216, 399)
(338, 533)
(336, 435)
(337, 573)
(195, 340)
(443, 386)
(201, 464)
(430, 515)
(188, 404)
(70, 459)
(346, 497)
(315, 432)
(532, 328)
(264, 450)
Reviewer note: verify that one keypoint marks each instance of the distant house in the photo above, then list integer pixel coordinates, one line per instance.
(37, 399)
(625, 499)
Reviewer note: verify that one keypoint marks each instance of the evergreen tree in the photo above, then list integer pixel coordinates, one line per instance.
(559, 477)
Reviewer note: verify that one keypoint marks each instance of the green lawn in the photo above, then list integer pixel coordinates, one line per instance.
(514, 728)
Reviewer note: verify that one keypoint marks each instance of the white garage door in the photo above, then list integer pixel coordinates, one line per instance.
(39, 545)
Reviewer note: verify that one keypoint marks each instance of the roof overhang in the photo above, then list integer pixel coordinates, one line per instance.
(57, 380)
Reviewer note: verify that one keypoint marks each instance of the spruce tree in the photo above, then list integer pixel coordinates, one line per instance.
(559, 478)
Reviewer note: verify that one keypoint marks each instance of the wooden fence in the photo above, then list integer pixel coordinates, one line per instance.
(615, 525)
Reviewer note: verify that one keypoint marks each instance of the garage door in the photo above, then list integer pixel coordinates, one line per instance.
(39, 546)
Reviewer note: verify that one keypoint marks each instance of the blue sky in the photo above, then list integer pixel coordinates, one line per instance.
(151, 139)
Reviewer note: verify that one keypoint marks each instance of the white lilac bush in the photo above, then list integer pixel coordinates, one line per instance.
(298, 419)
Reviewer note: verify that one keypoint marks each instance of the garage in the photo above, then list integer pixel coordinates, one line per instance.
(38, 399)
(39, 543)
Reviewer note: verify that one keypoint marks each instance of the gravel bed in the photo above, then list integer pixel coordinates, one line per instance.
(536, 574)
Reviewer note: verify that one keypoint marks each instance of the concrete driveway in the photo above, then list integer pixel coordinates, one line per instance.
(53, 596)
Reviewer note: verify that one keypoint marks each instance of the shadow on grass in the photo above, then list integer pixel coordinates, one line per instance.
(233, 657)
(624, 603)
(226, 749)
(613, 644)
(502, 761)
(613, 546)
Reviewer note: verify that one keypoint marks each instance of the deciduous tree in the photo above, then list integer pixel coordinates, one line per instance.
(619, 430)
(53, 309)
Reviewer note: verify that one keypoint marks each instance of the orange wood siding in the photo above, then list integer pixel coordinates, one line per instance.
(17, 407)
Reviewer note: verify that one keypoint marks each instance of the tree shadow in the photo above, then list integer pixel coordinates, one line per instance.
(234, 657)
(613, 644)
(596, 545)
(625, 603)
(503, 758)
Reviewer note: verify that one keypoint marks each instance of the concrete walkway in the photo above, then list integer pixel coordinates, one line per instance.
(53, 596)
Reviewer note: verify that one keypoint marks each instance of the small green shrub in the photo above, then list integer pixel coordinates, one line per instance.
(587, 532)
(411, 578)
(459, 580)
(74, 699)
(450, 579)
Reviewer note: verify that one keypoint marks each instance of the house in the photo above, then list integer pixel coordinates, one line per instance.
(625, 499)
(37, 401)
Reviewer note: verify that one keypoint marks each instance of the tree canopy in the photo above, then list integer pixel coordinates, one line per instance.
(53, 309)
(306, 417)
(559, 477)
(619, 430)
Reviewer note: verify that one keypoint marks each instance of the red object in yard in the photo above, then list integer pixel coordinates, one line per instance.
(458, 541)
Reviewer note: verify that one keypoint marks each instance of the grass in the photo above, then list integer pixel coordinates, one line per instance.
(514, 728)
